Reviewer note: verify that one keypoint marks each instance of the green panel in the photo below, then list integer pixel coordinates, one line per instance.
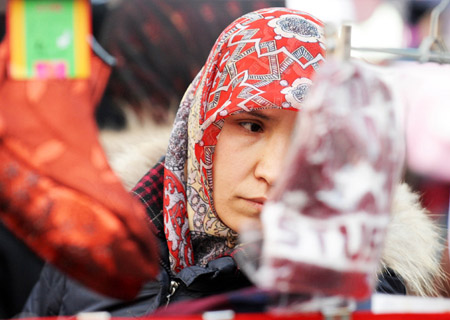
(49, 33)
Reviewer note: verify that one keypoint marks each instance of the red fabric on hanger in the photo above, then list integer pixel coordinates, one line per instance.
(57, 191)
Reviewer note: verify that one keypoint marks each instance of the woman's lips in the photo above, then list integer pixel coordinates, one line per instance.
(256, 202)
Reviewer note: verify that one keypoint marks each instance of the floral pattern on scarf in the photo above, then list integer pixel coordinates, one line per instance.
(263, 60)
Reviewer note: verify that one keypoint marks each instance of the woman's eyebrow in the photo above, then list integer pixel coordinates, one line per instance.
(260, 115)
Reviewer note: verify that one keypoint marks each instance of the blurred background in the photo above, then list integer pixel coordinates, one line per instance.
(160, 45)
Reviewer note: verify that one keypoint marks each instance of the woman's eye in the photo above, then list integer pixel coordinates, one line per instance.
(252, 126)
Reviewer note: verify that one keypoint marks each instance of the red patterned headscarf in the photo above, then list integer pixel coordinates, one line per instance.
(263, 60)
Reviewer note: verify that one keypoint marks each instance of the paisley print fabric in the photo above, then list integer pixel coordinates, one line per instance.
(263, 60)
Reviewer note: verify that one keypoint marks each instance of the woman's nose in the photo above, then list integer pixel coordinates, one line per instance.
(270, 160)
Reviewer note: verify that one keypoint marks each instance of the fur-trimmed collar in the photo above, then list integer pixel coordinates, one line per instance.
(413, 244)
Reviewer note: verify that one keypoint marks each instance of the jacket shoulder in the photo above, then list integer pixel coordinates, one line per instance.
(55, 294)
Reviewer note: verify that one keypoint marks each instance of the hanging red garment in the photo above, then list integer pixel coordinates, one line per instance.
(57, 191)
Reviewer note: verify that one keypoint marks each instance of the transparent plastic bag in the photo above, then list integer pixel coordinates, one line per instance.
(322, 229)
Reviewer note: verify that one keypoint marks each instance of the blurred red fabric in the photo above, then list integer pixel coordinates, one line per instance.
(58, 193)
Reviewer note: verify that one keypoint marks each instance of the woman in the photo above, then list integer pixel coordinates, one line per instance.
(229, 138)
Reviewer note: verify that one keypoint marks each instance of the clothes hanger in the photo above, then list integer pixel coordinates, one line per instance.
(434, 41)
(102, 53)
(432, 48)
(344, 44)
(338, 43)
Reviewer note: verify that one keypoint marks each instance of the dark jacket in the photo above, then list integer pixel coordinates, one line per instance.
(19, 271)
(56, 294)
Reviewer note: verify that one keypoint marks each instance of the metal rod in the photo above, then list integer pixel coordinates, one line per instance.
(410, 53)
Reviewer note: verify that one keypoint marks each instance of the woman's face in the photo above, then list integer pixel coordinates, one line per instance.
(247, 160)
